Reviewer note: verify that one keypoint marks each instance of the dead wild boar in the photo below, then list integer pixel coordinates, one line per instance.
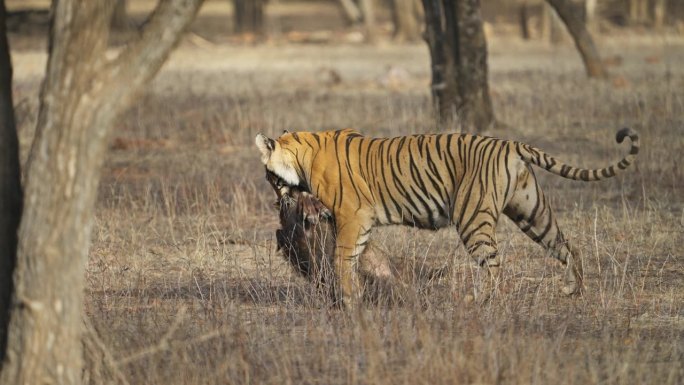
(307, 238)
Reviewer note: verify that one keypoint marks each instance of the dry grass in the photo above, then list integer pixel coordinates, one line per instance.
(185, 285)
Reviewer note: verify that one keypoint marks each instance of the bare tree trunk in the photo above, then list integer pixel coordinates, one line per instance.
(458, 51)
(643, 10)
(351, 11)
(368, 11)
(119, 16)
(583, 40)
(638, 11)
(659, 12)
(441, 58)
(406, 20)
(524, 20)
(472, 70)
(81, 96)
(10, 183)
(551, 28)
(590, 7)
(249, 16)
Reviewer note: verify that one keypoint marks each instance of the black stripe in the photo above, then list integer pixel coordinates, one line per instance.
(508, 172)
(541, 236)
(467, 235)
(339, 166)
(383, 201)
(565, 170)
(517, 149)
(398, 156)
(403, 191)
(608, 172)
(451, 166)
(428, 211)
(550, 162)
(438, 146)
(477, 244)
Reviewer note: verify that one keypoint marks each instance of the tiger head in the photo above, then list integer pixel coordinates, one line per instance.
(279, 159)
(292, 157)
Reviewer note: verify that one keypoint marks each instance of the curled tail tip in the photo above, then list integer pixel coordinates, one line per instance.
(625, 132)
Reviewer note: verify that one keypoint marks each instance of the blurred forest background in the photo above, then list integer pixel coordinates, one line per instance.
(321, 21)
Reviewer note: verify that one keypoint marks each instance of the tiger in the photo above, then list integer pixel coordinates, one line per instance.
(430, 181)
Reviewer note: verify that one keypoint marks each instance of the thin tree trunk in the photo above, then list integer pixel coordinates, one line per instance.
(368, 10)
(406, 22)
(524, 20)
(638, 11)
(590, 7)
(643, 10)
(443, 95)
(10, 183)
(583, 40)
(81, 96)
(476, 110)
(351, 11)
(659, 12)
(458, 51)
(249, 16)
(120, 16)
(551, 28)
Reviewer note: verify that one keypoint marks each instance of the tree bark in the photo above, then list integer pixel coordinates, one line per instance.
(249, 16)
(368, 11)
(406, 18)
(473, 74)
(458, 50)
(10, 183)
(441, 62)
(351, 11)
(590, 12)
(524, 20)
(659, 12)
(81, 96)
(119, 16)
(583, 41)
(551, 26)
(638, 11)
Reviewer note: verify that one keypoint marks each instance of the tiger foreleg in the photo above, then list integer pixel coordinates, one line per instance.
(478, 239)
(489, 273)
(351, 242)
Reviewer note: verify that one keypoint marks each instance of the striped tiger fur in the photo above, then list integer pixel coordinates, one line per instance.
(429, 181)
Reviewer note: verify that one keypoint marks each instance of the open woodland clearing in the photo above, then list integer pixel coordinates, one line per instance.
(185, 285)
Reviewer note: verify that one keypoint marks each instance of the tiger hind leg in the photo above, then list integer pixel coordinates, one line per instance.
(530, 210)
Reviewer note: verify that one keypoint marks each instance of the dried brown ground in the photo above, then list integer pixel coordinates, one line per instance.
(185, 285)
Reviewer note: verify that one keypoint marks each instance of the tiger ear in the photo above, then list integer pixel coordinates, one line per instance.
(265, 145)
(286, 132)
